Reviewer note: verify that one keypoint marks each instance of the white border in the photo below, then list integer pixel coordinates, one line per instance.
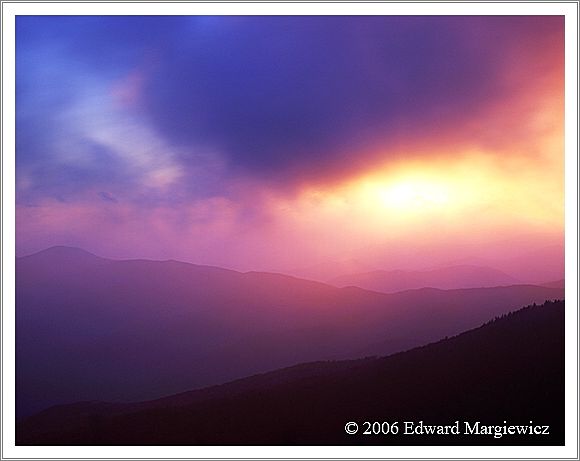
(10, 10)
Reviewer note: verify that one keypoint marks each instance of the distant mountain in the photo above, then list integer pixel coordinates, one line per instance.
(90, 328)
(63, 255)
(555, 284)
(507, 372)
(550, 264)
(325, 271)
(453, 277)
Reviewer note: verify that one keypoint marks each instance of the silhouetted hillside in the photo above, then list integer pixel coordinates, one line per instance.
(89, 328)
(452, 277)
(510, 369)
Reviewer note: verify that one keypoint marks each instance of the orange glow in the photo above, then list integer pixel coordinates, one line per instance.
(409, 194)
(448, 190)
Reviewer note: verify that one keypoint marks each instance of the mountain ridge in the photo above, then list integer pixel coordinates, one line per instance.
(138, 329)
(475, 361)
(447, 277)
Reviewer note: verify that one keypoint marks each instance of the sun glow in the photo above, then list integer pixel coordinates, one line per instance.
(412, 194)
(451, 195)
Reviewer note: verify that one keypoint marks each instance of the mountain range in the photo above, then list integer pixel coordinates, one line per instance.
(507, 372)
(90, 328)
(452, 277)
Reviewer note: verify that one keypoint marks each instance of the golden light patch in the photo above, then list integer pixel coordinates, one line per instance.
(473, 193)
(409, 194)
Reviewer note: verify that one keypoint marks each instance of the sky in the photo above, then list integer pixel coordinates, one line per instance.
(289, 143)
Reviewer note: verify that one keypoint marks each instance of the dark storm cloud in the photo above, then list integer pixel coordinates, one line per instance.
(278, 97)
(289, 95)
(282, 93)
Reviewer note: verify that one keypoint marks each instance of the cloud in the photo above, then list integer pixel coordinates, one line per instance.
(288, 97)
(200, 101)
(107, 197)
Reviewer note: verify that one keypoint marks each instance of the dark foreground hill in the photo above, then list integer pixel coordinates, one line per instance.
(508, 372)
(89, 328)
